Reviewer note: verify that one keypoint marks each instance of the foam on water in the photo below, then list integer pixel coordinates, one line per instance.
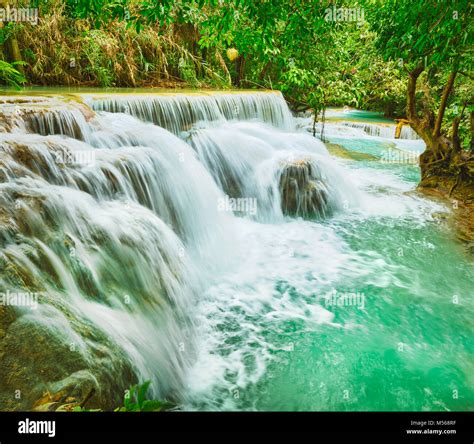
(284, 274)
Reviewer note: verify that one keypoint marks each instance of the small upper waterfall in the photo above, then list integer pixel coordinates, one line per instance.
(46, 115)
(71, 123)
(180, 112)
(115, 210)
(381, 130)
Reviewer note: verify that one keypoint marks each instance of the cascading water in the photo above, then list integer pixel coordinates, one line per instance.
(254, 160)
(195, 240)
(180, 112)
(349, 128)
(386, 131)
(86, 243)
(108, 218)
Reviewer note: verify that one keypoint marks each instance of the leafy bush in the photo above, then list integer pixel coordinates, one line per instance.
(135, 400)
(10, 75)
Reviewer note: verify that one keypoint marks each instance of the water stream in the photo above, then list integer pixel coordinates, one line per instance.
(158, 226)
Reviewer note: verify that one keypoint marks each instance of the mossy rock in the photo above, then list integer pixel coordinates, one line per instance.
(41, 354)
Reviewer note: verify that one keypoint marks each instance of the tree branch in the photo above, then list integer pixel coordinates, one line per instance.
(444, 101)
(411, 92)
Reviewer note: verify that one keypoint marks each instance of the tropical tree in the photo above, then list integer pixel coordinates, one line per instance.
(431, 40)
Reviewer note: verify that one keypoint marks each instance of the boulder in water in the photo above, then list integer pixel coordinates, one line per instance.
(303, 192)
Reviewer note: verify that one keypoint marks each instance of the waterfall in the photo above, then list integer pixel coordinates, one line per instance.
(71, 123)
(181, 111)
(114, 270)
(254, 160)
(380, 130)
(116, 213)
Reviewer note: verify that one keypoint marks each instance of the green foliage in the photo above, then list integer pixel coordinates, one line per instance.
(434, 31)
(282, 44)
(10, 75)
(83, 409)
(188, 72)
(97, 63)
(100, 11)
(437, 36)
(135, 400)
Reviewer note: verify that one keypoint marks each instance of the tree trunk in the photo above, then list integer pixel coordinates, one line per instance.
(444, 101)
(11, 44)
(398, 129)
(15, 51)
(223, 65)
(264, 71)
(437, 162)
(240, 68)
(411, 93)
(389, 109)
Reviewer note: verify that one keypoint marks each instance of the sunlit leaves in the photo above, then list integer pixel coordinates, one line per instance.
(10, 75)
(433, 31)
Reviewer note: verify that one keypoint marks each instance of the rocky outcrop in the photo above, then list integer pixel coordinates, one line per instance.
(41, 361)
(48, 350)
(303, 192)
(45, 115)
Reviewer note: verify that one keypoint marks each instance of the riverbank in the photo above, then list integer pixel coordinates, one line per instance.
(458, 197)
(461, 216)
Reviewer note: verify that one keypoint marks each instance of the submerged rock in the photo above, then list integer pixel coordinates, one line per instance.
(340, 151)
(303, 192)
